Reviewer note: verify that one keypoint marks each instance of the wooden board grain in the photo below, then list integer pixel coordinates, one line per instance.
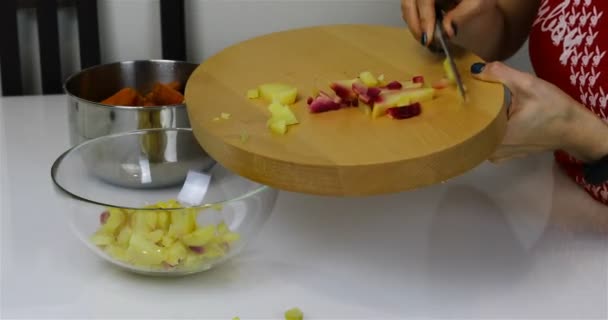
(344, 152)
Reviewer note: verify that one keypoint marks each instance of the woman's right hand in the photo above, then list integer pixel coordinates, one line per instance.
(420, 15)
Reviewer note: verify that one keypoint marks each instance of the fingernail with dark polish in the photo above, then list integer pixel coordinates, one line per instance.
(455, 27)
(423, 39)
(477, 67)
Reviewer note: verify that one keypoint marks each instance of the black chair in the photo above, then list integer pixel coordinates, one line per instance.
(172, 26)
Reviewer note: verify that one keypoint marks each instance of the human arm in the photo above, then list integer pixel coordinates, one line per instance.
(544, 118)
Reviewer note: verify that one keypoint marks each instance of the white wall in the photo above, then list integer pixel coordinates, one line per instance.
(130, 29)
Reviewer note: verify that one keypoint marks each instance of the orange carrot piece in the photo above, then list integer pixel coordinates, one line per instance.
(124, 97)
(139, 100)
(149, 99)
(165, 95)
(175, 85)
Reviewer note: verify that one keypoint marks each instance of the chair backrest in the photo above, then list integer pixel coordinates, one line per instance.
(172, 26)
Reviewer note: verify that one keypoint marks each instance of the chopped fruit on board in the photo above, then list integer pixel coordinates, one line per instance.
(281, 117)
(166, 238)
(449, 73)
(374, 96)
(374, 101)
(278, 92)
(405, 112)
(395, 85)
(282, 112)
(280, 96)
(418, 79)
(403, 97)
(323, 103)
(368, 79)
(278, 126)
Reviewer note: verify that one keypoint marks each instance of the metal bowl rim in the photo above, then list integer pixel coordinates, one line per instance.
(59, 160)
(135, 108)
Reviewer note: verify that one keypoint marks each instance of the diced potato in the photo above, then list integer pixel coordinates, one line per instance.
(192, 260)
(368, 79)
(151, 238)
(421, 95)
(182, 223)
(449, 73)
(155, 236)
(143, 252)
(282, 112)
(176, 253)
(213, 251)
(278, 92)
(116, 252)
(287, 96)
(102, 238)
(163, 220)
(124, 236)
(167, 241)
(139, 222)
(115, 219)
(199, 237)
(277, 126)
(402, 98)
(151, 219)
(366, 109)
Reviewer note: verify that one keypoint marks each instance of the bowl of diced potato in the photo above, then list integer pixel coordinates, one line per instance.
(172, 229)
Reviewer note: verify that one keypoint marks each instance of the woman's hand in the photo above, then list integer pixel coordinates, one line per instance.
(543, 118)
(420, 15)
(492, 29)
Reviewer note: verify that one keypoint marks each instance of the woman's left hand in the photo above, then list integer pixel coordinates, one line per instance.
(543, 118)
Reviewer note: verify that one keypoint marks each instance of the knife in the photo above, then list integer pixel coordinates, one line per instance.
(440, 35)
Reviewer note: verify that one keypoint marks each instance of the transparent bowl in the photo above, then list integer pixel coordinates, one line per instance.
(180, 226)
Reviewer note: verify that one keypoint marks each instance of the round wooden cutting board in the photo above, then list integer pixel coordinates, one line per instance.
(342, 152)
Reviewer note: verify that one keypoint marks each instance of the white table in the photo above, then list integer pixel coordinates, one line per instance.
(512, 241)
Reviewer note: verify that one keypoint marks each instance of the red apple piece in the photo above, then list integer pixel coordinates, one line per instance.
(323, 104)
(394, 98)
(405, 112)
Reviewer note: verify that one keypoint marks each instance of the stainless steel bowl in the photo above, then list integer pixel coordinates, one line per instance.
(88, 118)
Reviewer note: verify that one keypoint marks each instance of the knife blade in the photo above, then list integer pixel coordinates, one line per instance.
(440, 35)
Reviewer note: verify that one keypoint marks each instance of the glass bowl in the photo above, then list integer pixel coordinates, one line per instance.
(180, 213)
